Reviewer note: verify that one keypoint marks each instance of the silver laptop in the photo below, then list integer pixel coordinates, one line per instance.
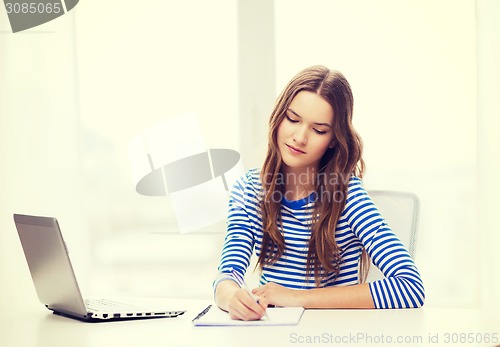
(55, 281)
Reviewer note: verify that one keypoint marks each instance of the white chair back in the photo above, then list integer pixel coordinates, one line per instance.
(401, 211)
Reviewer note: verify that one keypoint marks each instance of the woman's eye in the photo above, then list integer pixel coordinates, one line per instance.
(291, 120)
(320, 132)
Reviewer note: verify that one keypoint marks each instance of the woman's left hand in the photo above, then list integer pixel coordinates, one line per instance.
(278, 295)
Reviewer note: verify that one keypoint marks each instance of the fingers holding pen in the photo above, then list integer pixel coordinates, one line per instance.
(242, 305)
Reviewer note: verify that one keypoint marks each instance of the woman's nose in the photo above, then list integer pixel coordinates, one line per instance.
(300, 136)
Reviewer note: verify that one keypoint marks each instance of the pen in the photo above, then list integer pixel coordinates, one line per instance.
(202, 313)
(241, 282)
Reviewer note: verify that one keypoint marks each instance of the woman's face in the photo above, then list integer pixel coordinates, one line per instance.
(306, 132)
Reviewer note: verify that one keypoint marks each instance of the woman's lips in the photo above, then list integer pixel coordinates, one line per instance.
(295, 150)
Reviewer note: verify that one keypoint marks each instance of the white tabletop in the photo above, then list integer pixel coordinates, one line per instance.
(426, 326)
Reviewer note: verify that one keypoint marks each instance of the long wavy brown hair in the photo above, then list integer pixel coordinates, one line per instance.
(336, 167)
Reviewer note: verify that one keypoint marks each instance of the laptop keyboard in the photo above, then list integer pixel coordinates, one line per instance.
(103, 305)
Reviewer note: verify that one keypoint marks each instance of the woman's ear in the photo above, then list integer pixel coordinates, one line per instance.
(332, 144)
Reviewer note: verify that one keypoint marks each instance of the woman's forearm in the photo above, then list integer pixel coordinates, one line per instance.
(223, 291)
(355, 296)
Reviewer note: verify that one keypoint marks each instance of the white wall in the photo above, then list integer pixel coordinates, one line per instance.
(139, 65)
(488, 55)
(39, 146)
(79, 95)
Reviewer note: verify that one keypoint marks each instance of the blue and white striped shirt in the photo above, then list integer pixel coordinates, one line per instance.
(360, 224)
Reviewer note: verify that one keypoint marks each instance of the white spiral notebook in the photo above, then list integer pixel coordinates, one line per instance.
(214, 316)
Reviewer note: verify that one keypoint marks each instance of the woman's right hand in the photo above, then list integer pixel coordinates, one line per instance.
(239, 303)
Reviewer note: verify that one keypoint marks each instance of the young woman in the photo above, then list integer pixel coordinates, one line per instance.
(307, 216)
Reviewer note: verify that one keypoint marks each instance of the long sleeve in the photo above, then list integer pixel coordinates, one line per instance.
(403, 286)
(239, 240)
